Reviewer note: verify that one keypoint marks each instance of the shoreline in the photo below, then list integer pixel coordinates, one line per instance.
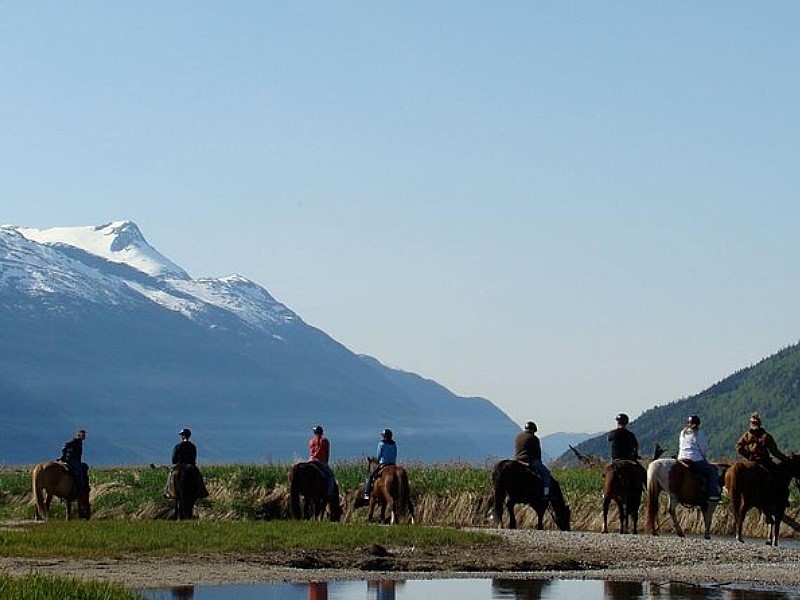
(524, 554)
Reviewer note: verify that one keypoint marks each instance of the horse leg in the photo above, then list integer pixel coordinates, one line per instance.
(69, 509)
(671, 510)
(47, 500)
(708, 514)
(739, 513)
(606, 504)
(512, 519)
(634, 502)
(774, 528)
(623, 516)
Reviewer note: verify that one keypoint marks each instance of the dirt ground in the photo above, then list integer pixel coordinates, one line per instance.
(522, 553)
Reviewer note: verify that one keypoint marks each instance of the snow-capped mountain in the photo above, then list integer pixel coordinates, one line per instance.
(102, 331)
(151, 274)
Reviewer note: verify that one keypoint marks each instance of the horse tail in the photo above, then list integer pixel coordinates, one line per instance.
(405, 495)
(735, 495)
(499, 494)
(38, 492)
(653, 491)
(294, 493)
(560, 506)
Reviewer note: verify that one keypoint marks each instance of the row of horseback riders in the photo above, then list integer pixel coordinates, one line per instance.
(755, 445)
(185, 454)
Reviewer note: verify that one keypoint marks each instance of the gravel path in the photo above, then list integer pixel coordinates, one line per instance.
(525, 554)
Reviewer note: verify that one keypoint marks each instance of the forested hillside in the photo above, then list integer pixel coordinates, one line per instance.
(771, 387)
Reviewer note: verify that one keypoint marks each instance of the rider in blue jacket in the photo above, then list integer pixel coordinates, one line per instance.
(386, 454)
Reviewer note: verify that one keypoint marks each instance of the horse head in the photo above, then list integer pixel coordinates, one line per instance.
(792, 465)
(562, 517)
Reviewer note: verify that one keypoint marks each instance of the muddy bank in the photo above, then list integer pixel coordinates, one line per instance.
(522, 553)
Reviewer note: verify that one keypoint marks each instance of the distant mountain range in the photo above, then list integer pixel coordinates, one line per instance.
(771, 388)
(100, 331)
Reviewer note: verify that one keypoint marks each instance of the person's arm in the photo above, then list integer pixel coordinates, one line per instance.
(773, 448)
(741, 446)
(702, 444)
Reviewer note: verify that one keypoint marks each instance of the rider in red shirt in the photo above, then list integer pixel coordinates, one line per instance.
(319, 452)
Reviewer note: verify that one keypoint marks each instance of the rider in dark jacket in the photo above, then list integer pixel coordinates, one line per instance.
(528, 449)
(624, 445)
(72, 455)
(185, 452)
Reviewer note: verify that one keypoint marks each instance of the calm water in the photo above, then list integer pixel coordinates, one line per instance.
(467, 589)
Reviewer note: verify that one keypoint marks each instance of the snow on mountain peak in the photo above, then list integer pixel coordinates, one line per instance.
(38, 263)
(117, 242)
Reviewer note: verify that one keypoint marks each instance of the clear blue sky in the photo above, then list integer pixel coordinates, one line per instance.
(571, 208)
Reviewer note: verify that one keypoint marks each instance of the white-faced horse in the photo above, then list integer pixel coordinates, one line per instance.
(682, 486)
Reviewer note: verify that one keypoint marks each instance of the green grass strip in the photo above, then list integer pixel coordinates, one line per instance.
(43, 587)
(117, 538)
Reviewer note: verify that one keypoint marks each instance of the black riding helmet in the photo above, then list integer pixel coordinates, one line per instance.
(386, 434)
(530, 426)
(693, 420)
(187, 433)
(622, 419)
(318, 430)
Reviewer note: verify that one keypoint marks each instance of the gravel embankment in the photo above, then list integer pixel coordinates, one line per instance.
(525, 554)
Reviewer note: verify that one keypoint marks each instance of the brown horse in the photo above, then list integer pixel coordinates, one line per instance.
(306, 480)
(390, 491)
(513, 480)
(682, 487)
(186, 486)
(49, 479)
(750, 485)
(623, 483)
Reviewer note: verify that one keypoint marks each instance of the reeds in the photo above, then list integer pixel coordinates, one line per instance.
(447, 494)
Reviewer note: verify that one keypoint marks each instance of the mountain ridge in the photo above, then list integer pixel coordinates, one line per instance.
(133, 351)
(770, 387)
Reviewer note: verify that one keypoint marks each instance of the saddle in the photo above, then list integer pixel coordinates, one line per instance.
(690, 483)
(75, 477)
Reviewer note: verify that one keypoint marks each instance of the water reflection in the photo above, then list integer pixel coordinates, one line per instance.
(468, 589)
(184, 592)
(383, 589)
(519, 589)
(318, 590)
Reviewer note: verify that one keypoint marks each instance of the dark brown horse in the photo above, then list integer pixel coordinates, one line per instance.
(390, 491)
(751, 485)
(682, 486)
(306, 480)
(186, 487)
(514, 483)
(623, 483)
(51, 479)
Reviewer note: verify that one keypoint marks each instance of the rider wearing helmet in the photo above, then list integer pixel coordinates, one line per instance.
(693, 450)
(528, 450)
(319, 452)
(624, 445)
(185, 452)
(184, 456)
(386, 454)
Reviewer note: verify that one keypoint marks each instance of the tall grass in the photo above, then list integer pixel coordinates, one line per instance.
(451, 494)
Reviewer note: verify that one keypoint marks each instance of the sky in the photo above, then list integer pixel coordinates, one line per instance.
(572, 209)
